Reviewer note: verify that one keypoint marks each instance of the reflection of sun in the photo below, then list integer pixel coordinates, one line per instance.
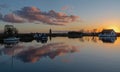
(115, 28)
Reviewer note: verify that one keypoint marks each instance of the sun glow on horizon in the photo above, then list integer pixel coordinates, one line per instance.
(115, 28)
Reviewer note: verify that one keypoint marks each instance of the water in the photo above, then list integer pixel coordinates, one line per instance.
(62, 54)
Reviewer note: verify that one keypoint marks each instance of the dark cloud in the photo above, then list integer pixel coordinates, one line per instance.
(13, 18)
(52, 17)
(33, 14)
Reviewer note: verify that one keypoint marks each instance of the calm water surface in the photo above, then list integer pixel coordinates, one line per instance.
(62, 54)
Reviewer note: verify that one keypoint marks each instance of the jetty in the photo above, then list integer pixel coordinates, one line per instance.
(11, 31)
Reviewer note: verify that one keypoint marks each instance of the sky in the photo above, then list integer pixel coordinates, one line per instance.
(60, 15)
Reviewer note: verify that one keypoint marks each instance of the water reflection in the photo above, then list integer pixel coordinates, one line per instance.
(34, 54)
(10, 44)
(97, 39)
(89, 39)
(84, 53)
(108, 39)
(83, 39)
(42, 41)
(12, 51)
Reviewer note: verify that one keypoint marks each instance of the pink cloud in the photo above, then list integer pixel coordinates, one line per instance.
(13, 18)
(64, 8)
(32, 14)
(52, 17)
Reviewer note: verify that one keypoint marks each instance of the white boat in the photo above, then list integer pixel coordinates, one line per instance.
(41, 36)
(11, 40)
(108, 33)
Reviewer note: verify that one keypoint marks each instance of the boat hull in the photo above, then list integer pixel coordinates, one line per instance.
(11, 40)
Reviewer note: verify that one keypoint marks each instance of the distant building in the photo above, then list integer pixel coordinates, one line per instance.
(108, 33)
(74, 34)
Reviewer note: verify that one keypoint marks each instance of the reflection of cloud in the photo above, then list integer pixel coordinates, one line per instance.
(12, 51)
(31, 14)
(50, 50)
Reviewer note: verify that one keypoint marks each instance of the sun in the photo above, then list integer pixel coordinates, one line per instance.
(115, 28)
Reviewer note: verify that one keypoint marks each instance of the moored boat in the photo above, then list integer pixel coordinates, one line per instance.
(108, 33)
(11, 40)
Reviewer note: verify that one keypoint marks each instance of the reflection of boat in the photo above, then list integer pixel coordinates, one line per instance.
(11, 40)
(108, 39)
(9, 45)
(44, 37)
(42, 41)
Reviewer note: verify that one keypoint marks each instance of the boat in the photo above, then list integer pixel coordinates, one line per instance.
(11, 40)
(41, 36)
(108, 33)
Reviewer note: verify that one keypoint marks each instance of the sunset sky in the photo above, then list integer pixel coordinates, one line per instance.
(60, 15)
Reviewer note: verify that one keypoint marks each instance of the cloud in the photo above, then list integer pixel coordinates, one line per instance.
(33, 14)
(13, 18)
(52, 17)
(65, 8)
(68, 9)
